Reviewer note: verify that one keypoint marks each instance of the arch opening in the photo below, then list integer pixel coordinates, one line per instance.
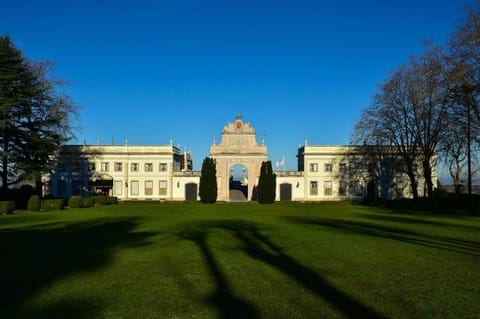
(238, 183)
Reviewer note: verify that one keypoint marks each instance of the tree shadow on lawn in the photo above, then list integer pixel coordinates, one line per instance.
(228, 305)
(33, 258)
(261, 248)
(461, 246)
(420, 220)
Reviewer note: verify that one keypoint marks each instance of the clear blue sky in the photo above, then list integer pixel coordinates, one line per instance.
(151, 70)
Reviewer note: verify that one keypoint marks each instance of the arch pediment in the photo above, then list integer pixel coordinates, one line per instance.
(238, 138)
(238, 127)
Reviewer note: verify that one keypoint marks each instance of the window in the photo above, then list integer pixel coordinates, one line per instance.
(148, 188)
(358, 189)
(342, 190)
(399, 189)
(134, 167)
(327, 167)
(91, 167)
(148, 167)
(342, 168)
(163, 167)
(117, 188)
(134, 188)
(118, 167)
(162, 191)
(313, 188)
(176, 166)
(104, 167)
(327, 188)
(314, 167)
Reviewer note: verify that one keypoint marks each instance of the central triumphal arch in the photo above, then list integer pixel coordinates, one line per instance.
(238, 146)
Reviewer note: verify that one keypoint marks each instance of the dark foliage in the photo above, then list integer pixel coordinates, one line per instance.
(19, 196)
(7, 207)
(88, 201)
(53, 204)
(208, 181)
(106, 200)
(75, 202)
(34, 117)
(266, 184)
(34, 203)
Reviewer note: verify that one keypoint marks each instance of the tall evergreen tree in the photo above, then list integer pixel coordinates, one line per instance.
(208, 181)
(266, 184)
(35, 118)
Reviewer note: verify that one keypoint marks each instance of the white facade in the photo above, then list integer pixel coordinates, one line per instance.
(162, 172)
(342, 173)
(129, 172)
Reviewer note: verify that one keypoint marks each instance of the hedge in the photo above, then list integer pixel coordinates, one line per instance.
(52, 204)
(105, 200)
(89, 202)
(7, 207)
(75, 202)
(34, 203)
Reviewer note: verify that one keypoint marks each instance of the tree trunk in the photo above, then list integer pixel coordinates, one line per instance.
(5, 164)
(413, 182)
(38, 187)
(427, 174)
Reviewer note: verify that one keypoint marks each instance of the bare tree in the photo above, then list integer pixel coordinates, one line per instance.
(431, 106)
(410, 113)
(389, 122)
(464, 60)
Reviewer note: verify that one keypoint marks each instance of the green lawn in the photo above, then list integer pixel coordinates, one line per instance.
(149, 260)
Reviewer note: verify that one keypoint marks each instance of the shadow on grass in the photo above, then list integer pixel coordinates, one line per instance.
(228, 305)
(261, 248)
(461, 246)
(409, 220)
(34, 258)
(71, 309)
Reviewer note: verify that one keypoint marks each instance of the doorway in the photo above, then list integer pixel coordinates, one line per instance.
(285, 192)
(190, 192)
(238, 183)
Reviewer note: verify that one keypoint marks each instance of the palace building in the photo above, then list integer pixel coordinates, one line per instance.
(163, 172)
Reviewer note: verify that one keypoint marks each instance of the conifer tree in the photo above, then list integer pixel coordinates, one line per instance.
(208, 181)
(35, 118)
(266, 184)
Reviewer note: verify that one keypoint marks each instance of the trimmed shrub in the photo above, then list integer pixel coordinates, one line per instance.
(7, 207)
(75, 202)
(52, 204)
(34, 203)
(208, 181)
(105, 200)
(89, 202)
(19, 195)
(266, 184)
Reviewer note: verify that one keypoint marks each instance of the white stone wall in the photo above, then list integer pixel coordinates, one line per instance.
(137, 172)
(323, 166)
(297, 186)
(179, 184)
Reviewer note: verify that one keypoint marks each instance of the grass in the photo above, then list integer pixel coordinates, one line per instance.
(150, 260)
